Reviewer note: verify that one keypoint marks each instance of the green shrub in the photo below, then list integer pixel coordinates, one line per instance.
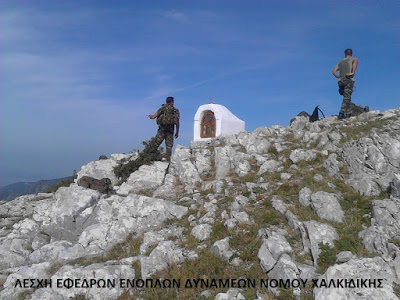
(65, 182)
(146, 157)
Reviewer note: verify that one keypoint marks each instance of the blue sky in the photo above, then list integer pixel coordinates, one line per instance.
(78, 78)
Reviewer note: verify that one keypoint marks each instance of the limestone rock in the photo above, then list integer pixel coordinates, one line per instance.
(306, 272)
(63, 220)
(271, 250)
(51, 252)
(284, 269)
(152, 238)
(318, 177)
(254, 142)
(395, 186)
(162, 256)
(23, 206)
(305, 196)
(16, 246)
(375, 239)
(385, 226)
(372, 163)
(147, 177)
(71, 201)
(231, 294)
(111, 272)
(251, 186)
(202, 160)
(332, 166)
(318, 233)
(356, 269)
(230, 223)
(34, 271)
(221, 248)
(182, 166)
(300, 154)
(241, 217)
(222, 162)
(104, 168)
(344, 256)
(277, 245)
(327, 206)
(270, 166)
(201, 232)
(168, 189)
(286, 176)
(120, 216)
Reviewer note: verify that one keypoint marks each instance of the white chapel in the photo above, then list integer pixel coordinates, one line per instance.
(213, 120)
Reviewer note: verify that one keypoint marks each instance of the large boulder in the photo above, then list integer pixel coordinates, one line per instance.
(272, 249)
(17, 245)
(11, 289)
(327, 206)
(385, 226)
(362, 278)
(182, 166)
(63, 220)
(147, 177)
(165, 254)
(300, 155)
(372, 163)
(221, 248)
(99, 227)
(395, 186)
(318, 233)
(202, 232)
(104, 168)
(332, 166)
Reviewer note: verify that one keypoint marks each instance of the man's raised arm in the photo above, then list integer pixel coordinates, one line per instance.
(153, 116)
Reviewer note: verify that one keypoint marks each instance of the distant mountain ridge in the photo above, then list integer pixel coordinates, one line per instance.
(13, 190)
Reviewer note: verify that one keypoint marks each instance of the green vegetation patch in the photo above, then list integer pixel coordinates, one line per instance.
(63, 183)
(128, 248)
(146, 157)
(206, 268)
(358, 129)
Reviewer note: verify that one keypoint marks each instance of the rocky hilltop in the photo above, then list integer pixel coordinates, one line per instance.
(308, 211)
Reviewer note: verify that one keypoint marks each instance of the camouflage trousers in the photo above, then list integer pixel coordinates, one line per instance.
(163, 133)
(346, 86)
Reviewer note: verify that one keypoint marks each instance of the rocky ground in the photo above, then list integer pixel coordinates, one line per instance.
(313, 205)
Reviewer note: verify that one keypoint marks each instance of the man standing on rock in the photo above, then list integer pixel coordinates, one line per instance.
(347, 68)
(167, 118)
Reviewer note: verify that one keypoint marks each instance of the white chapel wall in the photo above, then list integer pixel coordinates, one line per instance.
(226, 122)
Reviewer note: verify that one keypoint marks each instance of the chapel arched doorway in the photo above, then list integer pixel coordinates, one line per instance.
(208, 125)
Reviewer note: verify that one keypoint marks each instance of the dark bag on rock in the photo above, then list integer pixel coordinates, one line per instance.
(102, 185)
(315, 116)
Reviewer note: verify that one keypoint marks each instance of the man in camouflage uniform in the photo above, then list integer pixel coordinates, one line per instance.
(165, 131)
(347, 68)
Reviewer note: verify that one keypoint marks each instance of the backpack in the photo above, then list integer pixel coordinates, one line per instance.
(315, 117)
(168, 115)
